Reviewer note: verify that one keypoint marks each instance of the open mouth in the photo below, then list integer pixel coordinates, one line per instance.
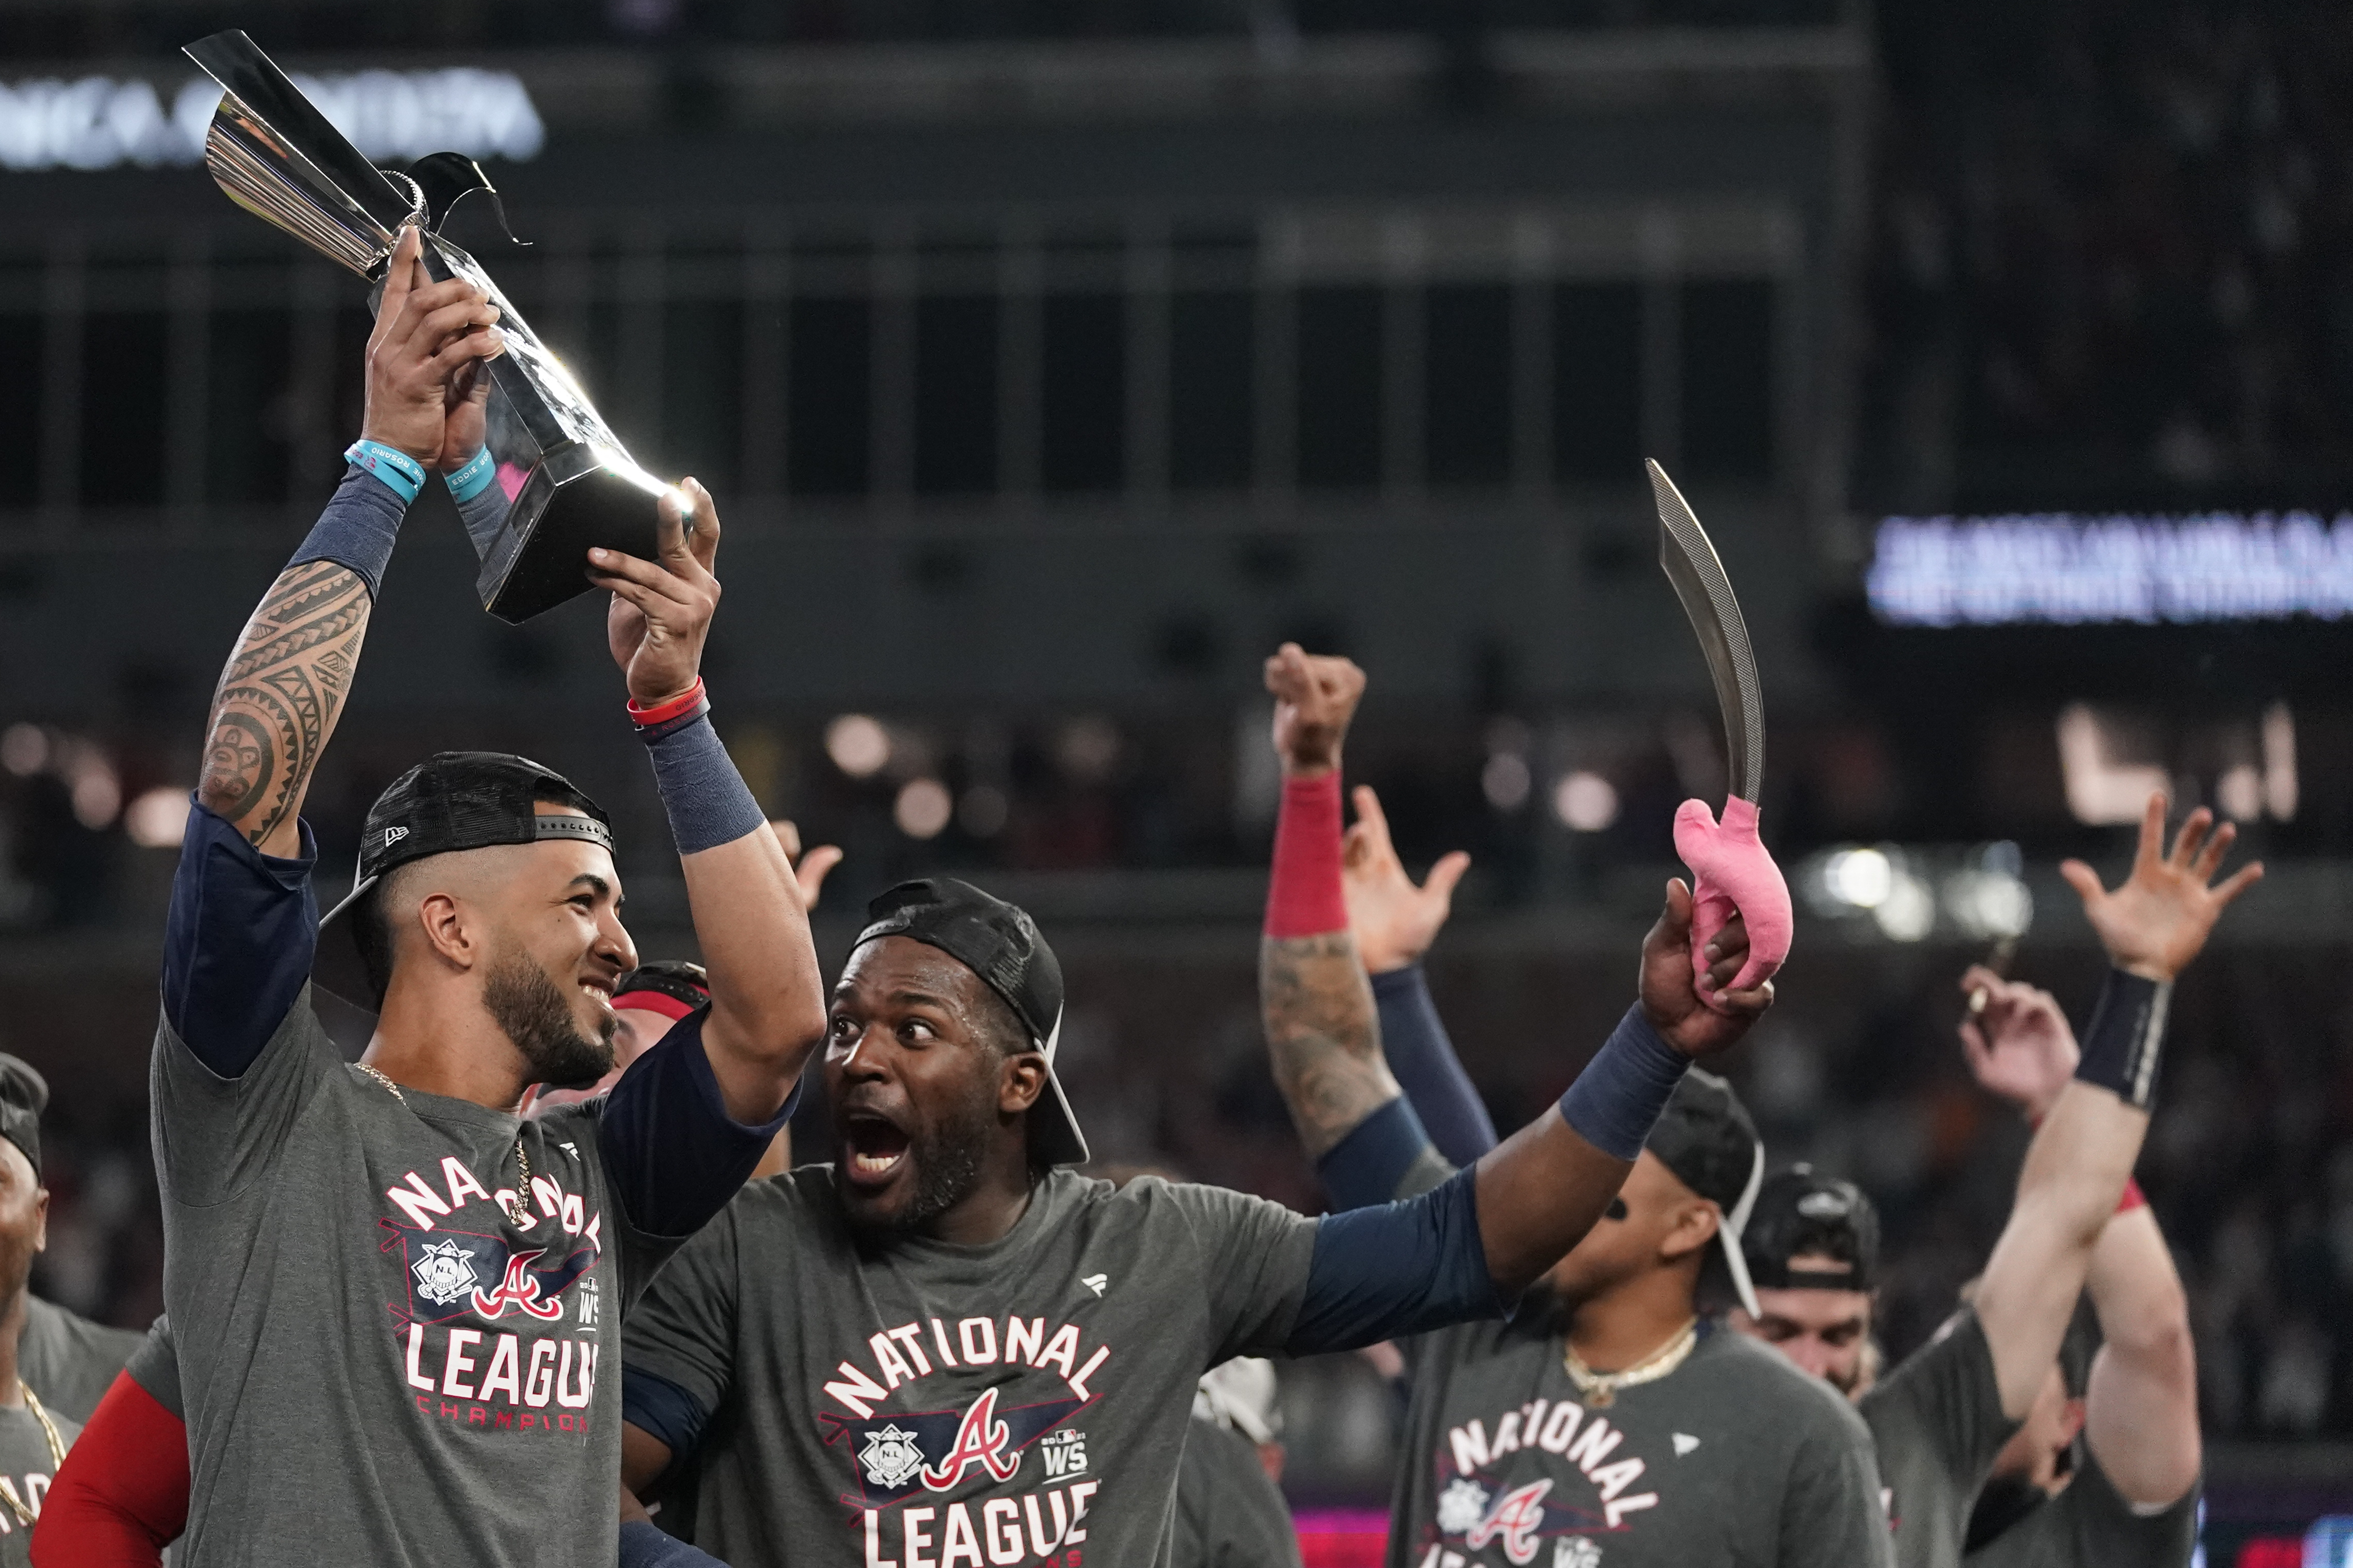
(872, 1149)
(600, 992)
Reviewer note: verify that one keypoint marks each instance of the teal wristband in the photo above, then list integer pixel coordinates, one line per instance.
(474, 478)
(401, 473)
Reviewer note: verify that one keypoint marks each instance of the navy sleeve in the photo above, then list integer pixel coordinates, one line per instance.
(643, 1545)
(1373, 1163)
(660, 1408)
(1401, 1268)
(675, 1155)
(1427, 1069)
(238, 941)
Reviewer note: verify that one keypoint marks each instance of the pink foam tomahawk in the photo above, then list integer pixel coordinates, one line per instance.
(1731, 870)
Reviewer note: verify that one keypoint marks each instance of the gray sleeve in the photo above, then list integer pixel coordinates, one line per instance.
(1228, 1515)
(1250, 1258)
(155, 1367)
(2106, 1532)
(684, 1330)
(1944, 1402)
(484, 515)
(216, 1137)
(1832, 1509)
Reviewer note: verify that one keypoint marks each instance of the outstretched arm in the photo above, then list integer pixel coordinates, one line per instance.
(1536, 1195)
(2142, 1409)
(768, 1005)
(241, 929)
(2084, 1153)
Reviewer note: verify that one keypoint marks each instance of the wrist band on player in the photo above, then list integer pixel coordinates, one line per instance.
(1616, 1099)
(708, 802)
(2125, 1038)
(473, 478)
(694, 700)
(358, 529)
(401, 473)
(1303, 894)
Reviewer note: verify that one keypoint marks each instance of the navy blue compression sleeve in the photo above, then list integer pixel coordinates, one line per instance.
(1400, 1268)
(1426, 1068)
(643, 1545)
(1364, 1168)
(238, 941)
(674, 1153)
(660, 1408)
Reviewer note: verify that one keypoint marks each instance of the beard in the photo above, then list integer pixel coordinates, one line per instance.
(947, 1157)
(536, 1016)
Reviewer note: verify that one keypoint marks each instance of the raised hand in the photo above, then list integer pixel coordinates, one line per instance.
(427, 378)
(2157, 921)
(2018, 1043)
(809, 870)
(661, 609)
(1314, 698)
(1394, 922)
(1671, 998)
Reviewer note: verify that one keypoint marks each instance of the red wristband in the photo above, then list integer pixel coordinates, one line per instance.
(646, 718)
(1303, 896)
(2134, 1197)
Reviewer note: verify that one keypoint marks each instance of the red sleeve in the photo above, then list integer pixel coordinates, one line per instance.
(122, 1493)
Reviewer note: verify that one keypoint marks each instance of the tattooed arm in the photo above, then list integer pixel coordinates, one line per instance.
(285, 685)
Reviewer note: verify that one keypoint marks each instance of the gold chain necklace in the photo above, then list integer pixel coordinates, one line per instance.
(521, 1212)
(1599, 1389)
(25, 1515)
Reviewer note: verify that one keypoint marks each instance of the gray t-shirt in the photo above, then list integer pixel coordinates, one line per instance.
(911, 1401)
(69, 1361)
(378, 1366)
(155, 1368)
(1938, 1423)
(1735, 1457)
(1228, 1514)
(26, 1467)
(2090, 1525)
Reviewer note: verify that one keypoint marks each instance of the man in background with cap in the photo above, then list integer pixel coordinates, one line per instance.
(1612, 1421)
(391, 1299)
(34, 1433)
(1812, 1249)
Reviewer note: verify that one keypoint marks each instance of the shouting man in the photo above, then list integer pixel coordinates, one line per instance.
(393, 1301)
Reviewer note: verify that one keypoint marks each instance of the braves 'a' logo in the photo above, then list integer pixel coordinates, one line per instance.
(520, 1289)
(980, 1439)
(1517, 1516)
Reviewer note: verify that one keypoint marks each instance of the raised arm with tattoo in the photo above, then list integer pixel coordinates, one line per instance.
(2083, 1155)
(285, 685)
(1542, 1189)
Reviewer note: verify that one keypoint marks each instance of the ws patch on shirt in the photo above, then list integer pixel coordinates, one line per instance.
(494, 1331)
(1016, 1434)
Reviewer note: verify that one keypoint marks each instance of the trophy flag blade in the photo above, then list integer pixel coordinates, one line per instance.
(1699, 579)
(281, 160)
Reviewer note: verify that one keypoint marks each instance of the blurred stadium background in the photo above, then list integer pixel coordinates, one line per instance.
(1053, 359)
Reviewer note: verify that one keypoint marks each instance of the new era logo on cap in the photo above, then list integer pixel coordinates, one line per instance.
(392, 836)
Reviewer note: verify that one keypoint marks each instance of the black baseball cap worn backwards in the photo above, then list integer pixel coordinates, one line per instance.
(23, 1094)
(450, 801)
(1802, 1213)
(1000, 943)
(1706, 1138)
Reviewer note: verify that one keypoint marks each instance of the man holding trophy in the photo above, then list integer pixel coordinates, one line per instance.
(396, 1304)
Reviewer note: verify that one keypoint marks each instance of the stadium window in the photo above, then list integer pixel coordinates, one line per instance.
(1727, 379)
(701, 392)
(1467, 384)
(248, 407)
(828, 396)
(1597, 382)
(956, 394)
(21, 338)
(1082, 385)
(1212, 339)
(125, 387)
(1339, 387)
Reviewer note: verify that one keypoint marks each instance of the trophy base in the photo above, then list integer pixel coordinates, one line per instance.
(571, 501)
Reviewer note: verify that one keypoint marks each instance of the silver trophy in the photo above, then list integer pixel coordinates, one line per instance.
(279, 158)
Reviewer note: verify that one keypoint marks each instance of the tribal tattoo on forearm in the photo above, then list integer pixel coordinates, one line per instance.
(1322, 1035)
(280, 695)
